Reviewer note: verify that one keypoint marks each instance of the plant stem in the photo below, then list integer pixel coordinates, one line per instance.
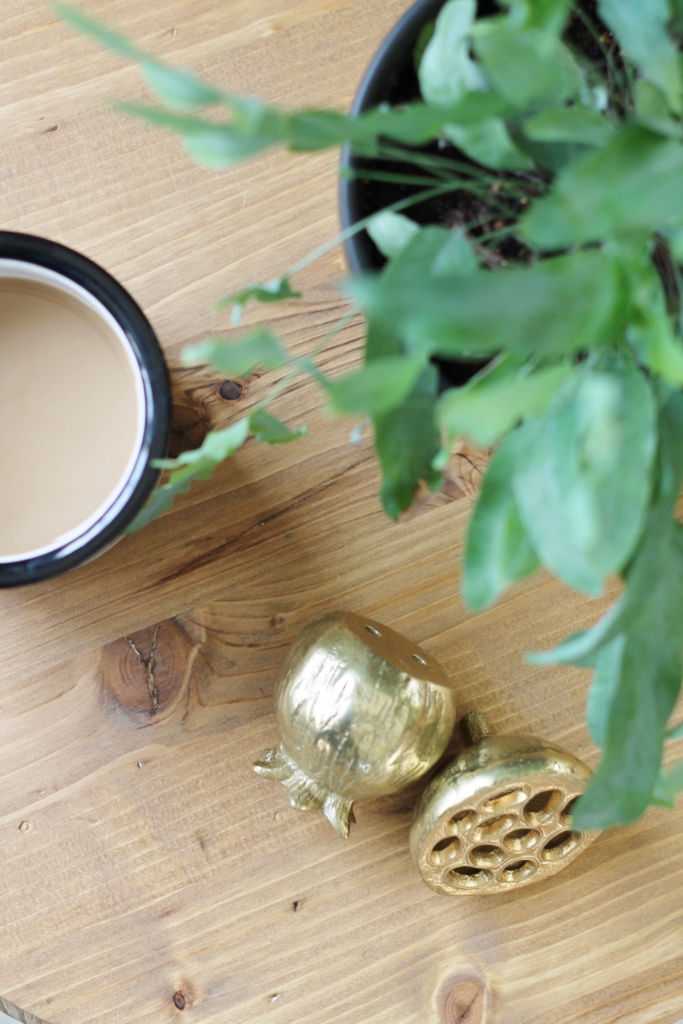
(360, 225)
(432, 160)
(306, 364)
(398, 179)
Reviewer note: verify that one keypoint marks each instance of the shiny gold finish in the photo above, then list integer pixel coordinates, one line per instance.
(361, 712)
(499, 815)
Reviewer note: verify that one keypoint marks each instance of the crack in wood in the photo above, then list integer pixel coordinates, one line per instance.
(206, 559)
(148, 665)
(463, 1002)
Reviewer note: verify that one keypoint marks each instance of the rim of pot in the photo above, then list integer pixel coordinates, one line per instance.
(394, 52)
(156, 427)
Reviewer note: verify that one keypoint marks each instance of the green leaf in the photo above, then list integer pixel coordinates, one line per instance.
(658, 346)
(199, 464)
(447, 71)
(549, 15)
(676, 244)
(276, 291)
(603, 688)
(676, 733)
(177, 88)
(670, 450)
(270, 429)
(433, 252)
(570, 124)
(310, 130)
(676, 7)
(498, 552)
(512, 310)
(582, 648)
(489, 143)
(525, 66)
(652, 110)
(455, 257)
(238, 358)
(407, 441)
(582, 481)
(633, 183)
(644, 697)
(422, 44)
(648, 617)
(376, 389)
(217, 446)
(105, 36)
(216, 145)
(641, 29)
(673, 778)
(417, 123)
(222, 146)
(485, 409)
(669, 783)
(391, 232)
(256, 127)
(660, 795)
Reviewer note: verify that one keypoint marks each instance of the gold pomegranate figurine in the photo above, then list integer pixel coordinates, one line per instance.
(499, 815)
(360, 711)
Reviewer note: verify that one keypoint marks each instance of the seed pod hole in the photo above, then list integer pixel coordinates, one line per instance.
(445, 850)
(468, 878)
(518, 871)
(462, 821)
(566, 816)
(503, 801)
(493, 827)
(486, 856)
(543, 806)
(561, 845)
(371, 629)
(521, 839)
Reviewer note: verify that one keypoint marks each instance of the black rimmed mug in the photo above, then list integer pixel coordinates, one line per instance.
(28, 262)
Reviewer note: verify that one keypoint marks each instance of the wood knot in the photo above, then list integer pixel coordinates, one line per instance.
(230, 390)
(189, 427)
(145, 671)
(179, 1000)
(462, 1002)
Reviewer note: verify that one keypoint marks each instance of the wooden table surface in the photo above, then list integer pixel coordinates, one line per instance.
(148, 874)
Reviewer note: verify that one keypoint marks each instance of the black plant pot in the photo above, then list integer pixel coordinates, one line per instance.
(25, 255)
(392, 78)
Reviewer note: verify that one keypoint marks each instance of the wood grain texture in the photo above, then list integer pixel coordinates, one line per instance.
(148, 874)
(145, 865)
(179, 237)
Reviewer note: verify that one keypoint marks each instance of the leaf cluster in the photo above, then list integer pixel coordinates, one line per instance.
(581, 161)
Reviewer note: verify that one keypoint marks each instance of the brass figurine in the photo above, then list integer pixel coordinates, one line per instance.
(361, 712)
(499, 815)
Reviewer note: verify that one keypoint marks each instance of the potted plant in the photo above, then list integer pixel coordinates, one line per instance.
(529, 228)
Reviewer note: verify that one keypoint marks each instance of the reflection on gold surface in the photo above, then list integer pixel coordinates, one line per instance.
(499, 815)
(360, 711)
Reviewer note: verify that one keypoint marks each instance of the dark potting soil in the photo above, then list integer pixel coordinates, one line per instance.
(480, 216)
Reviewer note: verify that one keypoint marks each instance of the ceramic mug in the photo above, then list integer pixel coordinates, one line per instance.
(85, 408)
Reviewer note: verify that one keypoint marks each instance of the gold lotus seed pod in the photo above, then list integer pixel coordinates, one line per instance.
(360, 711)
(499, 815)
